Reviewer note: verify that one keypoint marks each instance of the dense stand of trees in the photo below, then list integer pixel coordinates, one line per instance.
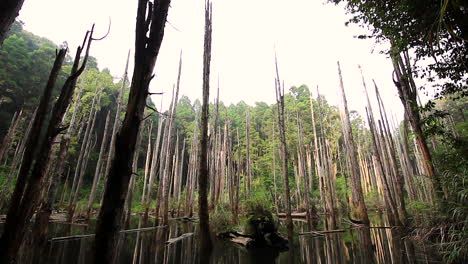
(298, 157)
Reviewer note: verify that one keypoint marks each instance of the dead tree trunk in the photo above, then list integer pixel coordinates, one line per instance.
(10, 134)
(17, 158)
(97, 172)
(283, 149)
(150, 24)
(205, 237)
(171, 148)
(9, 10)
(26, 199)
(153, 169)
(116, 125)
(408, 95)
(356, 187)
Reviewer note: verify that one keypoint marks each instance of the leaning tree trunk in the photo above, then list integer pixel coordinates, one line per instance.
(9, 10)
(203, 172)
(9, 243)
(408, 95)
(356, 187)
(19, 216)
(150, 24)
(4, 147)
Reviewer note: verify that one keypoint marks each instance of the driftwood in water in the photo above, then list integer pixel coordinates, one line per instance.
(55, 239)
(271, 240)
(293, 215)
(174, 240)
(321, 233)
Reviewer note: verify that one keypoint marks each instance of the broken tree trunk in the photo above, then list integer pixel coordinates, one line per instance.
(203, 172)
(26, 197)
(150, 24)
(283, 149)
(408, 96)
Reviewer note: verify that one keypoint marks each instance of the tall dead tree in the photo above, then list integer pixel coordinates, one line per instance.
(283, 149)
(9, 10)
(4, 147)
(203, 172)
(115, 126)
(26, 197)
(407, 90)
(356, 187)
(378, 163)
(150, 24)
(171, 147)
(97, 172)
(17, 159)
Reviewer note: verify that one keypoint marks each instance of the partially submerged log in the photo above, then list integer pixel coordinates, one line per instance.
(260, 231)
(176, 239)
(322, 233)
(294, 215)
(55, 239)
(270, 240)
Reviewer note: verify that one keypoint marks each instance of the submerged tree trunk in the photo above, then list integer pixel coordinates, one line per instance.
(147, 44)
(205, 236)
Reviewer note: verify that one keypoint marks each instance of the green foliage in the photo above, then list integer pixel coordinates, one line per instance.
(221, 219)
(435, 30)
(259, 219)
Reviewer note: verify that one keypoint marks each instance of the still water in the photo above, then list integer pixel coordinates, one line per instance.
(149, 246)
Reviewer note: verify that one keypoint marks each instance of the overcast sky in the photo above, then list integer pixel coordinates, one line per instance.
(309, 37)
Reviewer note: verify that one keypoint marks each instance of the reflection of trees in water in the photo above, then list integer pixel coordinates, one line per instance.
(389, 246)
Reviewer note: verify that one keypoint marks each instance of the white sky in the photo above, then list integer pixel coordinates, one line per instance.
(309, 36)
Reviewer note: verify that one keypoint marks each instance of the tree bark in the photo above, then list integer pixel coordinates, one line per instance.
(203, 172)
(283, 150)
(5, 146)
(147, 46)
(97, 172)
(356, 187)
(26, 199)
(9, 10)
(408, 96)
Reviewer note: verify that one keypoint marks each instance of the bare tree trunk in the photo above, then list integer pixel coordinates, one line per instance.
(388, 195)
(283, 149)
(5, 146)
(115, 128)
(9, 11)
(97, 172)
(147, 47)
(42, 217)
(84, 156)
(153, 169)
(205, 236)
(17, 158)
(356, 187)
(408, 95)
(247, 149)
(147, 165)
(169, 164)
(26, 199)
(399, 181)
